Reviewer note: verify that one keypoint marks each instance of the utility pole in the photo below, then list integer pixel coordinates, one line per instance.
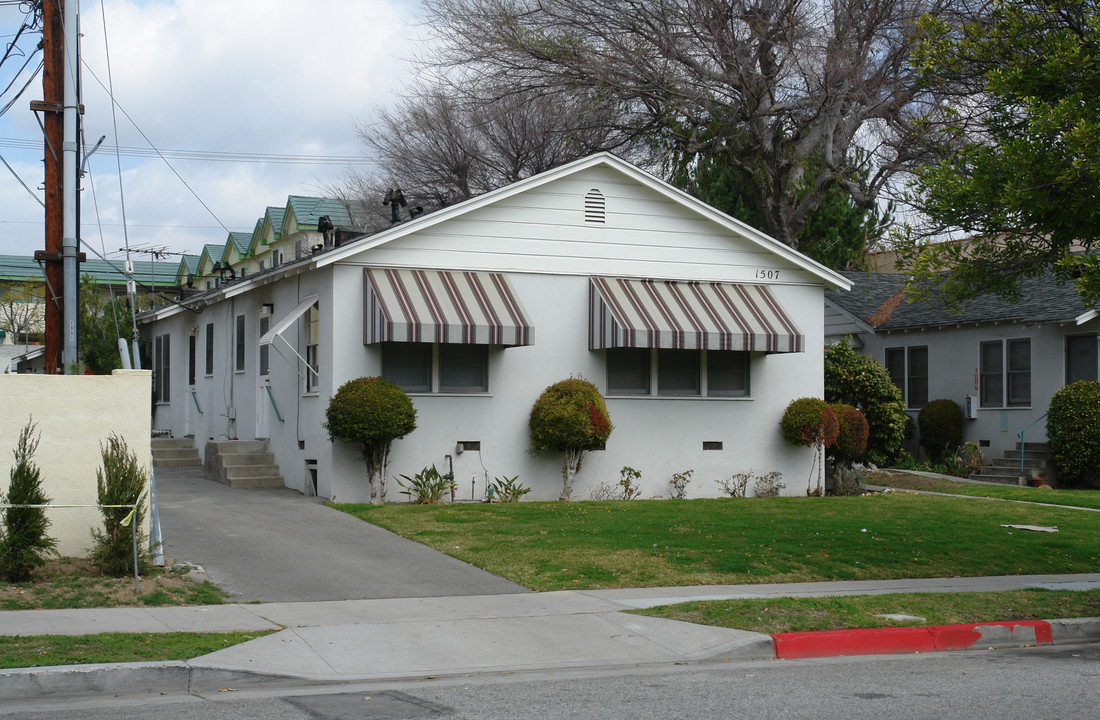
(60, 108)
(53, 95)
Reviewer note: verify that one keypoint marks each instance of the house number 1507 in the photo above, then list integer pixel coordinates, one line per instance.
(767, 274)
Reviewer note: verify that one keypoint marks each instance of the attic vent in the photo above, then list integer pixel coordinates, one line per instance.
(594, 207)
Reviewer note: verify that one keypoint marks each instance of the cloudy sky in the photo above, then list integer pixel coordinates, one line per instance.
(253, 77)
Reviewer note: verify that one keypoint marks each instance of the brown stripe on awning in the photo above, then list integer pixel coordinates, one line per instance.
(441, 306)
(691, 315)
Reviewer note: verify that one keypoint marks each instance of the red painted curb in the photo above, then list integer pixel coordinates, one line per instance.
(887, 641)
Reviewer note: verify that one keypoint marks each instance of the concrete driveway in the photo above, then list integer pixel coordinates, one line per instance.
(275, 545)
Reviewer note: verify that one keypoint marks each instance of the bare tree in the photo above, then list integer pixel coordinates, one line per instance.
(454, 140)
(783, 91)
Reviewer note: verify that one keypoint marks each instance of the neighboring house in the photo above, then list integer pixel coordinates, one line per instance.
(698, 329)
(1004, 361)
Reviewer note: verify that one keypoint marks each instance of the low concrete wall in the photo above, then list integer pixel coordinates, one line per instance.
(74, 414)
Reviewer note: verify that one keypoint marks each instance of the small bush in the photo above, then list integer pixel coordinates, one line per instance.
(569, 416)
(809, 422)
(427, 487)
(862, 381)
(941, 428)
(1073, 429)
(120, 482)
(24, 542)
(628, 483)
(769, 484)
(852, 430)
(371, 413)
(509, 489)
(679, 483)
(736, 484)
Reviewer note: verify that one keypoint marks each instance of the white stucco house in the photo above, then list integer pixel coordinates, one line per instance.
(698, 330)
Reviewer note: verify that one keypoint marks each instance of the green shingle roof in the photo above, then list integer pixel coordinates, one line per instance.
(307, 210)
(241, 241)
(16, 268)
(214, 252)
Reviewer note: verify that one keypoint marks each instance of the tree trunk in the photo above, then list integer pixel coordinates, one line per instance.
(569, 470)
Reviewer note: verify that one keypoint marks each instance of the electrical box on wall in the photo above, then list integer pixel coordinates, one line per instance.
(970, 408)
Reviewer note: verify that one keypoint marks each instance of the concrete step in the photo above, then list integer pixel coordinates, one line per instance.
(1034, 454)
(264, 458)
(236, 471)
(237, 447)
(174, 453)
(172, 443)
(1014, 462)
(1004, 479)
(1039, 446)
(256, 482)
(177, 462)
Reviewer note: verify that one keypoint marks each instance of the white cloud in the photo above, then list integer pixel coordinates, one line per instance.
(255, 76)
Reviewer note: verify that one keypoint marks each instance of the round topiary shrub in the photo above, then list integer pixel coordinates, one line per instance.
(852, 431)
(1073, 430)
(941, 428)
(862, 381)
(372, 413)
(569, 416)
(809, 422)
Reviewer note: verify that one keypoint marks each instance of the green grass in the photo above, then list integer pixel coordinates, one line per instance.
(80, 591)
(859, 611)
(553, 546)
(45, 650)
(1069, 498)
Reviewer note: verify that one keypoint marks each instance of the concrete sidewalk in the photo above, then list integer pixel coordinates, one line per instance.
(361, 640)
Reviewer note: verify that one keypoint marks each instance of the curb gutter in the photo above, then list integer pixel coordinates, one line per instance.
(936, 638)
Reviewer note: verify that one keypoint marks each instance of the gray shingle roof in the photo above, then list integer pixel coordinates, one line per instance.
(1042, 300)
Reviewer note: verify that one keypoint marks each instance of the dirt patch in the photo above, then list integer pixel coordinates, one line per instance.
(77, 583)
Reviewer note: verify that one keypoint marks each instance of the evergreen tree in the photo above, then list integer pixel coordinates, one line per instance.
(24, 545)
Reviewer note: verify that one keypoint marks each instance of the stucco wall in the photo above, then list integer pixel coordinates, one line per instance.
(74, 414)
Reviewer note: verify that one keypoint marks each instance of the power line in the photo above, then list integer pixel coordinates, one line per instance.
(213, 155)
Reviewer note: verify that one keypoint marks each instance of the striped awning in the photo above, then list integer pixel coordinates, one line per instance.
(445, 307)
(691, 315)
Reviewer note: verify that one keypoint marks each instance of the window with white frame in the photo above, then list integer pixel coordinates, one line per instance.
(908, 368)
(313, 340)
(1005, 373)
(265, 350)
(162, 368)
(677, 373)
(436, 367)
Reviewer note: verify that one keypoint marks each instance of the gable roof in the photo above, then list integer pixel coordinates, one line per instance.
(240, 242)
(189, 265)
(882, 301)
(829, 277)
(308, 210)
(214, 252)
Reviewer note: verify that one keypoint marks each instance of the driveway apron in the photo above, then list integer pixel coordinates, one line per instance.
(276, 545)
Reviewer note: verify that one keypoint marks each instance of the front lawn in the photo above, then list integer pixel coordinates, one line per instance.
(862, 611)
(1069, 498)
(46, 650)
(650, 543)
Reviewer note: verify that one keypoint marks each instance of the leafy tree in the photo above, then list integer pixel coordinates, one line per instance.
(120, 482)
(372, 413)
(862, 381)
(24, 544)
(810, 422)
(782, 91)
(1021, 172)
(838, 234)
(569, 416)
(102, 322)
(22, 310)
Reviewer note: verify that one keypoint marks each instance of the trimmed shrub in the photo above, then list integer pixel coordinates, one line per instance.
(569, 416)
(372, 413)
(1073, 430)
(809, 422)
(24, 544)
(941, 428)
(862, 381)
(852, 431)
(120, 481)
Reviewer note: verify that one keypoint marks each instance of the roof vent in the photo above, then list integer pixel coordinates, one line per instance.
(594, 207)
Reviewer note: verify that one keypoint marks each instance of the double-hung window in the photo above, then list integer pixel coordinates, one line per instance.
(436, 367)
(1081, 358)
(908, 368)
(677, 373)
(313, 340)
(209, 349)
(1005, 373)
(238, 365)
